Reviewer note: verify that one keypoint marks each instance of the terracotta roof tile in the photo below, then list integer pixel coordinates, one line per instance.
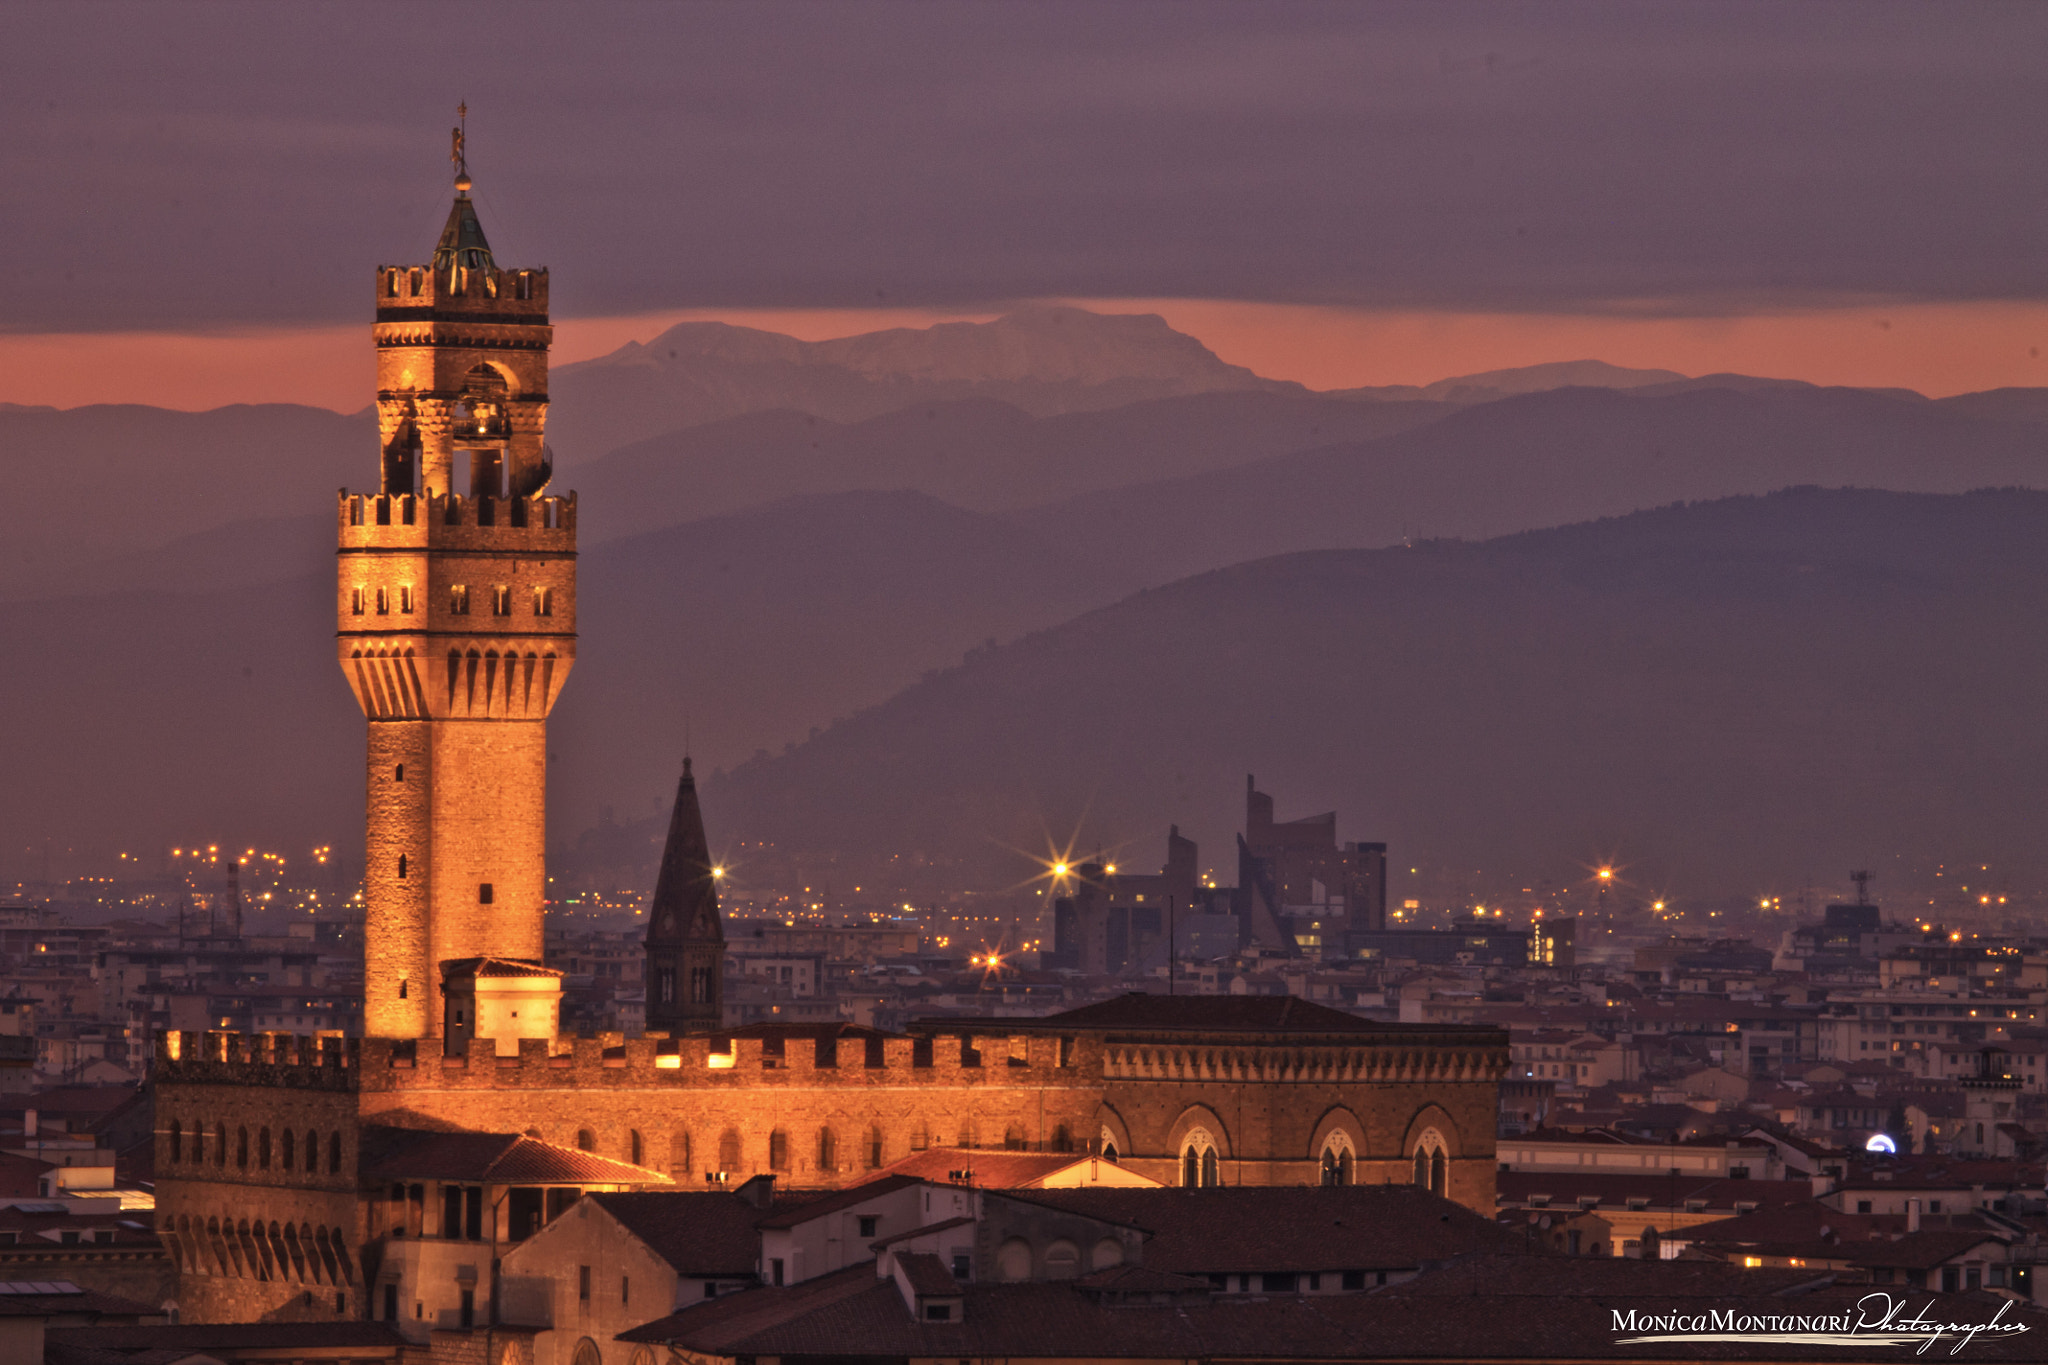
(491, 1159)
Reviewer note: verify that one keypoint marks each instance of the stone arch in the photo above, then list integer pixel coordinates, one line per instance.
(1105, 1253)
(1013, 1260)
(1338, 1118)
(1432, 1116)
(1014, 1139)
(1062, 1139)
(1062, 1260)
(1113, 1138)
(1203, 1117)
(586, 1353)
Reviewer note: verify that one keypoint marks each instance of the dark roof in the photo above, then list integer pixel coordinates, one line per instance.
(463, 232)
(491, 1159)
(1566, 1186)
(837, 1200)
(1237, 1013)
(685, 904)
(1282, 1228)
(697, 1233)
(495, 966)
(1053, 1320)
(927, 1274)
(113, 1345)
(1515, 1276)
(55, 1298)
(912, 1234)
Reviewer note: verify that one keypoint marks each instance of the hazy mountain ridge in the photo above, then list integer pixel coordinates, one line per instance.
(1551, 458)
(1775, 674)
(978, 454)
(1043, 360)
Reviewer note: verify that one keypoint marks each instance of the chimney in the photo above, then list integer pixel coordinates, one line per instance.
(1912, 1215)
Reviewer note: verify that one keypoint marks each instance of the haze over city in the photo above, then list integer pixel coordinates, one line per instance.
(1103, 681)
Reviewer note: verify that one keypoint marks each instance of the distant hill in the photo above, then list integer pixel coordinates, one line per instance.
(1544, 459)
(1489, 385)
(976, 453)
(1041, 360)
(210, 706)
(93, 483)
(1746, 689)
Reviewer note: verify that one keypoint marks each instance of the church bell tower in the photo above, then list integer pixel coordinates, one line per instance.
(456, 603)
(685, 937)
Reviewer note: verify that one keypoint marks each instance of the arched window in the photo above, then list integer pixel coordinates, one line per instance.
(970, 1132)
(242, 1148)
(1429, 1161)
(401, 865)
(312, 1152)
(875, 1147)
(220, 1144)
(586, 1141)
(1062, 1260)
(679, 1153)
(729, 1150)
(1062, 1140)
(1108, 1252)
(1199, 1168)
(287, 1149)
(1338, 1163)
(1013, 1139)
(636, 1146)
(778, 1150)
(177, 1141)
(1013, 1260)
(828, 1152)
(334, 1154)
(586, 1353)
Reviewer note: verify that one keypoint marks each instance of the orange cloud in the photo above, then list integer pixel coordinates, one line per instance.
(1935, 348)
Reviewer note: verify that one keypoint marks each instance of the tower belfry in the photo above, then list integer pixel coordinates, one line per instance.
(457, 623)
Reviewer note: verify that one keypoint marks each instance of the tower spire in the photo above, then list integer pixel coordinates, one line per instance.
(459, 152)
(685, 937)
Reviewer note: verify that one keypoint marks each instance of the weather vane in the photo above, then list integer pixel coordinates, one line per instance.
(458, 152)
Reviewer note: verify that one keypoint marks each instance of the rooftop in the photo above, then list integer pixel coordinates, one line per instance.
(491, 1159)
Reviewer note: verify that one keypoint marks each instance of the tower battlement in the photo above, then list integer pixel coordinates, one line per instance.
(481, 292)
(455, 521)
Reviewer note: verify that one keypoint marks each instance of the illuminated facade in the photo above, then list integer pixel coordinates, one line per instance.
(282, 1191)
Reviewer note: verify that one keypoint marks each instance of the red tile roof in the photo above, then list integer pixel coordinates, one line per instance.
(706, 1234)
(927, 1275)
(993, 1170)
(491, 1159)
(1281, 1228)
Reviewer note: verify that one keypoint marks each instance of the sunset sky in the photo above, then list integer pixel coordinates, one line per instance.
(193, 196)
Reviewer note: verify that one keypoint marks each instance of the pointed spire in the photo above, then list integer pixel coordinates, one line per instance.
(685, 904)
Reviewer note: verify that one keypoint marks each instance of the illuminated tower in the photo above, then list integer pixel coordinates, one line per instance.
(685, 939)
(457, 609)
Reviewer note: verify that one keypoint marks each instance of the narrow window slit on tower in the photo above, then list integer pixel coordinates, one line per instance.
(405, 600)
(501, 600)
(400, 776)
(356, 602)
(401, 865)
(383, 601)
(543, 601)
(458, 600)
(483, 893)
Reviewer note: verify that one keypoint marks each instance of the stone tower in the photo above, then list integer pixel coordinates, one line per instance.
(457, 608)
(685, 939)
